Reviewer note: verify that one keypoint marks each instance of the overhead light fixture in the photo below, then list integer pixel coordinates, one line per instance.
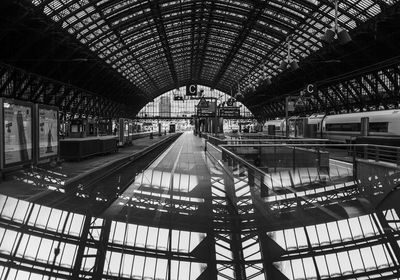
(289, 62)
(283, 65)
(294, 65)
(342, 35)
(238, 95)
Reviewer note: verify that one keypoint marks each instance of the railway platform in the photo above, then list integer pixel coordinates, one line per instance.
(33, 182)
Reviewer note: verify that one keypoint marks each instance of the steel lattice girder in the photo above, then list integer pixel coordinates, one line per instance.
(374, 90)
(26, 86)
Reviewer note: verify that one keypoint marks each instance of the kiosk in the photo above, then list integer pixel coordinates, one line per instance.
(79, 146)
(125, 132)
(77, 128)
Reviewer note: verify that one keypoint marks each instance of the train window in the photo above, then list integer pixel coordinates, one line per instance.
(343, 127)
(333, 127)
(351, 126)
(378, 127)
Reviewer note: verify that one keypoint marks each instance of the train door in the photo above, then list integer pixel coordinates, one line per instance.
(172, 128)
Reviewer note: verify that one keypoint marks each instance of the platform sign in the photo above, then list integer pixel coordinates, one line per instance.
(48, 132)
(230, 102)
(310, 89)
(300, 102)
(229, 112)
(17, 127)
(290, 106)
(203, 104)
(206, 108)
(191, 90)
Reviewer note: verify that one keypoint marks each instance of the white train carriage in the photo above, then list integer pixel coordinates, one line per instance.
(279, 126)
(316, 119)
(345, 127)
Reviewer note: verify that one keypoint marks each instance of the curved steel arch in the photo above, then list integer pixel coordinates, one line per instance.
(162, 44)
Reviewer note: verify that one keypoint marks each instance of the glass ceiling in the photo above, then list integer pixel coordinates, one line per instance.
(161, 45)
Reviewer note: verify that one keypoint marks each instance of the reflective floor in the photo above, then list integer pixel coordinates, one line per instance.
(186, 214)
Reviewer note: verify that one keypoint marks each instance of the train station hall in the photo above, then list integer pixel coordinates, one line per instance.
(199, 139)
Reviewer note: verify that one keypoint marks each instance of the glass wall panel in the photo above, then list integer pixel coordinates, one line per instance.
(175, 103)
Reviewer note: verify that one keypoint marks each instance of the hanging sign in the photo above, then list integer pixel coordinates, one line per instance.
(310, 89)
(191, 90)
(206, 108)
(203, 103)
(290, 106)
(229, 112)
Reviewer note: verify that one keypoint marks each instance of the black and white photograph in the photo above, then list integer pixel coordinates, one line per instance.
(199, 139)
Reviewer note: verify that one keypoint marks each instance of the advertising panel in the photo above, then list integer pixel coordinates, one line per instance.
(17, 132)
(48, 135)
(126, 128)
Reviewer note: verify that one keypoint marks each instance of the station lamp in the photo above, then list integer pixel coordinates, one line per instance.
(289, 62)
(238, 95)
(341, 34)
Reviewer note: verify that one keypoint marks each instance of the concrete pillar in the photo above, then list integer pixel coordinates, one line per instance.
(364, 126)
(220, 125)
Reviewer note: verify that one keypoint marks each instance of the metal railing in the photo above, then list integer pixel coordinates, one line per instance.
(230, 141)
(255, 136)
(390, 154)
(285, 188)
(380, 153)
(281, 191)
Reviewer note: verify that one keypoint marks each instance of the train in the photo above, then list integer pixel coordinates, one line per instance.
(340, 128)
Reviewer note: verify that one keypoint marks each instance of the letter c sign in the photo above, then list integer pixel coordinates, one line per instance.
(310, 88)
(191, 90)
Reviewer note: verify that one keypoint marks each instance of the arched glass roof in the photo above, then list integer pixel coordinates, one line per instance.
(162, 45)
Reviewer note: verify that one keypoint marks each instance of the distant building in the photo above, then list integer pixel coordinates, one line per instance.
(165, 106)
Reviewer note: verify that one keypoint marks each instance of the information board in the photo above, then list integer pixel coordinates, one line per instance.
(17, 132)
(208, 110)
(48, 134)
(229, 112)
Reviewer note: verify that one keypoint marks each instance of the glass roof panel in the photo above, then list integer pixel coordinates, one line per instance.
(127, 34)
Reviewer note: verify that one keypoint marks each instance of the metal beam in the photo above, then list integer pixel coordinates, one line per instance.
(253, 15)
(201, 52)
(81, 247)
(25, 86)
(10, 78)
(158, 20)
(102, 249)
